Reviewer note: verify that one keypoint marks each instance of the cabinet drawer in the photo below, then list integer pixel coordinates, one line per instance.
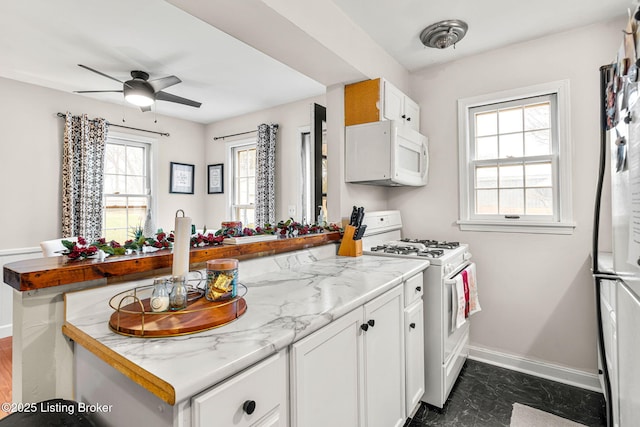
(264, 384)
(413, 289)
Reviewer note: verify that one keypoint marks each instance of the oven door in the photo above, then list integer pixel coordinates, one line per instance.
(454, 338)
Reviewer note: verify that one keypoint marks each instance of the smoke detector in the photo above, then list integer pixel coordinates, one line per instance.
(443, 34)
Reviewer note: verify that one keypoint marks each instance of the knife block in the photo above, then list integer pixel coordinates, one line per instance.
(348, 246)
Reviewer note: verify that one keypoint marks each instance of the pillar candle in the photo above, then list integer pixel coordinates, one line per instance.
(181, 246)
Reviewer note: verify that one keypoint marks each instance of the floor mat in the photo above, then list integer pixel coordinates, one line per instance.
(526, 416)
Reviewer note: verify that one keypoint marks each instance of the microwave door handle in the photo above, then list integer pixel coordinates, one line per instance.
(426, 158)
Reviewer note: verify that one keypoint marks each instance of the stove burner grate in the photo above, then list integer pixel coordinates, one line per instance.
(433, 253)
(433, 243)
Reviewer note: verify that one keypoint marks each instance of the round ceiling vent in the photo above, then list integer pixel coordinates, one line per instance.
(444, 33)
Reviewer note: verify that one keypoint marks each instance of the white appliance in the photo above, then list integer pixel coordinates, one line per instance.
(386, 153)
(618, 282)
(445, 347)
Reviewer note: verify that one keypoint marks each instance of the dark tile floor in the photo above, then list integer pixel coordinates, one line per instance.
(484, 396)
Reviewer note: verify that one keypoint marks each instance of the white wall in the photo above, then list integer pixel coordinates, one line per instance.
(290, 119)
(30, 158)
(31, 150)
(535, 290)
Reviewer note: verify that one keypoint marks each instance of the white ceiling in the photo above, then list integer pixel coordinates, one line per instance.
(396, 25)
(42, 41)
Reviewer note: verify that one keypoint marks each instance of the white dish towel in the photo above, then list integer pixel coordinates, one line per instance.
(474, 303)
(458, 303)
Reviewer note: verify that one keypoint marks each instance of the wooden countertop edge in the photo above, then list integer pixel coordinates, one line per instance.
(39, 273)
(135, 373)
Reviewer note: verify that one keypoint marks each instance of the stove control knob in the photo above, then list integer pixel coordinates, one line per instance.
(448, 268)
(467, 255)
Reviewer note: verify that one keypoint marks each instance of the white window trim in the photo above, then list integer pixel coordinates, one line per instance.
(564, 224)
(153, 166)
(230, 170)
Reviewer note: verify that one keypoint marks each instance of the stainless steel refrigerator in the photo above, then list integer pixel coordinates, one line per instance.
(617, 274)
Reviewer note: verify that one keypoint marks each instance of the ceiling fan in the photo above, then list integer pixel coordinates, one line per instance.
(143, 92)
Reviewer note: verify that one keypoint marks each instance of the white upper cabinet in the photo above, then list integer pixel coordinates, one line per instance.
(398, 106)
(374, 100)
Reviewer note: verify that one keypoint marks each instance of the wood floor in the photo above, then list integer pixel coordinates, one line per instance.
(5, 372)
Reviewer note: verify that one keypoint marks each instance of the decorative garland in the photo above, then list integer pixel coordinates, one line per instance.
(285, 229)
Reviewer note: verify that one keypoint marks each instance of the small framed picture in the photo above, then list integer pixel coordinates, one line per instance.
(181, 180)
(215, 178)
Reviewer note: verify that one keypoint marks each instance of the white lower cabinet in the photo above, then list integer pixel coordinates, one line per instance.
(256, 397)
(414, 354)
(351, 373)
(326, 375)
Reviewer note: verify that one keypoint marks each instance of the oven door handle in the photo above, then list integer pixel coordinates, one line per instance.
(450, 280)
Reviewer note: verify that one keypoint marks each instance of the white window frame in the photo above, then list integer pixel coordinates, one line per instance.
(152, 159)
(562, 220)
(231, 172)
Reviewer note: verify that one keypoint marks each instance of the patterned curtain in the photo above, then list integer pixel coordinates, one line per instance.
(265, 175)
(82, 176)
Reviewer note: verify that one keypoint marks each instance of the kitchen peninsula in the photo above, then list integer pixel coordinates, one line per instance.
(294, 301)
(42, 355)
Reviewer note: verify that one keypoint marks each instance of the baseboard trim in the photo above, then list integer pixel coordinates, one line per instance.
(6, 330)
(20, 251)
(537, 368)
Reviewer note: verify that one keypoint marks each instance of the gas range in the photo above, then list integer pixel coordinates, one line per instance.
(383, 238)
(433, 250)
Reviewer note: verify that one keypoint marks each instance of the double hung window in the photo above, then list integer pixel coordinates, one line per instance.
(243, 183)
(515, 161)
(127, 186)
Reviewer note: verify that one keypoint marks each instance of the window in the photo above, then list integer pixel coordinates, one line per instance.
(243, 182)
(515, 161)
(127, 185)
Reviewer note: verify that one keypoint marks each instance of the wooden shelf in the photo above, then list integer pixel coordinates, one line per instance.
(40, 273)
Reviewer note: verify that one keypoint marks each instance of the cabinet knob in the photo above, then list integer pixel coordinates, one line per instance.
(412, 325)
(408, 119)
(371, 322)
(364, 327)
(249, 406)
(418, 288)
(404, 116)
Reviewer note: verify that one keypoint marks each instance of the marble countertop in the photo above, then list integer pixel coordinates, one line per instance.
(289, 297)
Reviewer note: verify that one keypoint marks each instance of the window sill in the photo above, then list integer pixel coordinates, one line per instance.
(521, 227)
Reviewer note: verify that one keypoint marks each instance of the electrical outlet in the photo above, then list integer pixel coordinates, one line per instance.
(292, 211)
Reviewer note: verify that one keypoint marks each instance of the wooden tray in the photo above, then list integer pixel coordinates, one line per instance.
(200, 315)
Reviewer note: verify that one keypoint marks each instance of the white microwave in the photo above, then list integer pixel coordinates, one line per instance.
(386, 153)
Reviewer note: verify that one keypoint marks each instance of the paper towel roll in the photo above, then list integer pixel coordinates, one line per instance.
(181, 246)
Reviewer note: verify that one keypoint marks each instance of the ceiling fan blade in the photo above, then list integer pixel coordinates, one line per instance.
(100, 72)
(146, 108)
(96, 91)
(164, 82)
(164, 96)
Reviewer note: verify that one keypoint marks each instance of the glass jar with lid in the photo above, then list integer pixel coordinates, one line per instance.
(222, 277)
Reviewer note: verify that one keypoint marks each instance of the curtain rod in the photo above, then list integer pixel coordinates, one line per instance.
(127, 127)
(215, 138)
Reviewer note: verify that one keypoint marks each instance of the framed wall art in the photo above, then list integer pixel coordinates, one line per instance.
(181, 179)
(215, 178)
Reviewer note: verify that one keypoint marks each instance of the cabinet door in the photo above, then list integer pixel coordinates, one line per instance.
(411, 112)
(414, 354)
(384, 360)
(326, 375)
(247, 399)
(274, 419)
(393, 103)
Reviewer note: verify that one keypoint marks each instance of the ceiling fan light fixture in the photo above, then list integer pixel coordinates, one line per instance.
(139, 92)
(443, 34)
(139, 99)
